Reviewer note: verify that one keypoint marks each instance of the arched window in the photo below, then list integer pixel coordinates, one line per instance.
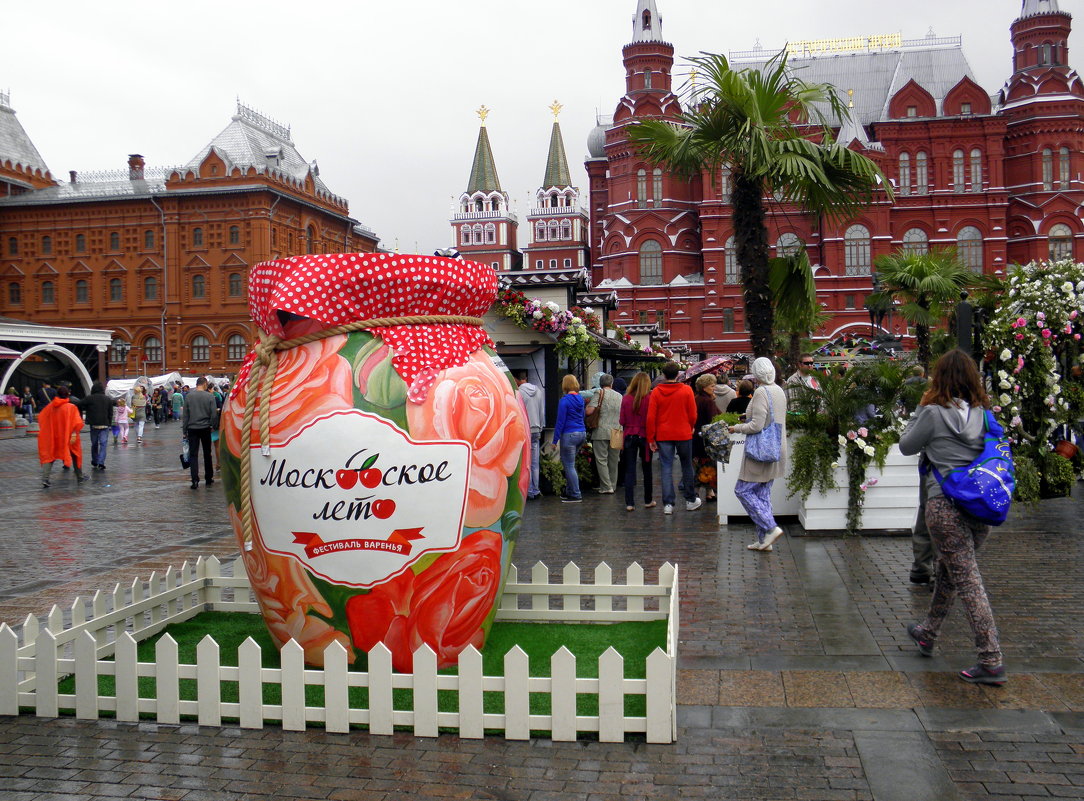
(495, 204)
(116, 290)
(969, 247)
(641, 188)
(118, 351)
(922, 173)
(236, 285)
(15, 294)
(650, 263)
(201, 349)
(657, 187)
(724, 185)
(1044, 55)
(553, 200)
(976, 170)
(80, 243)
(114, 241)
(464, 235)
(1063, 168)
(491, 233)
(236, 348)
(905, 173)
(310, 239)
(732, 272)
(82, 291)
(539, 231)
(856, 250)
(46, 245)
(148, 240)
(957, 171)
(199, 286)
(728, 321)
(788, 245)
(152, 349)
(916, 242)
(48, 293)
(566, 229)
(1061, 242)
(235, 235)
(150, 288)
(647, 79)
(479, 234)
(1048, 169)
(197, 237)
(13, 246)
(555, 230)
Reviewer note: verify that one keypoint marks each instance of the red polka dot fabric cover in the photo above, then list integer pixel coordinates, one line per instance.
(333, 289)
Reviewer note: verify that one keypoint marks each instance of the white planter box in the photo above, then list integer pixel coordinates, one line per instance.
(891, 504)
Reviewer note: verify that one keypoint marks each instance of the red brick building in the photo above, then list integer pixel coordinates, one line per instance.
(997, 176)
(161, 256)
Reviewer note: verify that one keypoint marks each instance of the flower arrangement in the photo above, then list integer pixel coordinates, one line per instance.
(569, 329)
(1034, 338)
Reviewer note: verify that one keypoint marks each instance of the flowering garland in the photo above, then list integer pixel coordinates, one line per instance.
(861, 447)
(568, 329)
(1040, 322)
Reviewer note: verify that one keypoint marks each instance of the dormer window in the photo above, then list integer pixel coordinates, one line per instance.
(965, 109)
(912, 111)
(647, 79)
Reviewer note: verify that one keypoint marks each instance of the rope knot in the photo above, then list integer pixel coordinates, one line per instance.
(265, 349)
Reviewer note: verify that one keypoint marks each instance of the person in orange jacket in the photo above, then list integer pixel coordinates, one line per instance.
(59, 425)
(671, 419)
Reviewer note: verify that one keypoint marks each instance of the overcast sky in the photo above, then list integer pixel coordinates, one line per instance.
(383, 94)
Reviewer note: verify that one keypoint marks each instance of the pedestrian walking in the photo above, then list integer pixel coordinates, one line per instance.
(121, 418)
(706, 410)
(156, 406)
(59, 425)
(139, 408)
(633, 421)
(177, 401)
(535, 405)
(98, 410)
(569, 432)
(199, 417)
(948, 428)
(671, 417)
(607, 457)
(28, 404)
(754, 485)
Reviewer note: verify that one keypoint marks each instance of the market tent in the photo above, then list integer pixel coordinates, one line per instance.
(122, 387)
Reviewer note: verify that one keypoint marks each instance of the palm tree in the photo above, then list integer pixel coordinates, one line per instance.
(926, 284)
(769, 128)
(794, 298)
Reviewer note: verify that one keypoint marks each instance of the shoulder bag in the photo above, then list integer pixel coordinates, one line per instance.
(766, 445)
(982, 489)
(591, 418)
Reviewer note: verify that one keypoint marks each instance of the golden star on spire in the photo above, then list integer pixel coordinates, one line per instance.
(482, 113)
(556, 107)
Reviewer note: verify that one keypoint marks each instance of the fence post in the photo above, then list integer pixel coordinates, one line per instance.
(510, 600)
(563, 692)
(570, 575)
(604, 577)
(212, 569)
(611, 697)
(540, 574)
(470, 694)
(293, 686)
(517, 697)
(166, 676)
(9, 670)
(127, 677)
(45, 675)
(250, 684)
(336, 689)
(55, 621)
(86, 676)
(208, 682)
(425, 692)
(380, 692)
(660, 711)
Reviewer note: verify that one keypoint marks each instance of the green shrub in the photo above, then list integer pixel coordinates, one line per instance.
(1027, 479)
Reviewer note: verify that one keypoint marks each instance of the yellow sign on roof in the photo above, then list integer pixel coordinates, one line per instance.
(847, 44)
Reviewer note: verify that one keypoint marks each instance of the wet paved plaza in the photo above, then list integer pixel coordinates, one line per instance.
(797, 679)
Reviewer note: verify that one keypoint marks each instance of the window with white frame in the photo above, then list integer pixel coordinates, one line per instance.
(236, 348)
(641, 189)
(856, 250)
(650, 263)
(969, 247)
(566, 229)
(731, 271)
(1048, 169)
(656, 187)
(152, 349)
(1063, 168)
(922, 173)
(725, 189)
(958, 171)
(916, 242)
(905, 173)
(1060, 240)
(539, 231)
(788, 245)
(976, 170)
(491, 233)
(201, 349)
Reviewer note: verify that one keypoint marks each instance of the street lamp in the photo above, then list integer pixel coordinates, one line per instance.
(123, 349)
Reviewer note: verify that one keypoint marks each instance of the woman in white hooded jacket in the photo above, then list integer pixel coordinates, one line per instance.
(754, 484)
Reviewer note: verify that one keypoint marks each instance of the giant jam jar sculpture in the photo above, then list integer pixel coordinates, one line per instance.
(377, 489)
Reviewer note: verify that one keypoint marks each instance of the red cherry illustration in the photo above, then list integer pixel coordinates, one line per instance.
(384, 508)
(346, 478)
(370, 478)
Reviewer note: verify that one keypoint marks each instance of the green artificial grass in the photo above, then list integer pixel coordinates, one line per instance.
(634, 641)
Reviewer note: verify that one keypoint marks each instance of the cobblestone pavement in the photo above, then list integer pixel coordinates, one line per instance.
(797, 679)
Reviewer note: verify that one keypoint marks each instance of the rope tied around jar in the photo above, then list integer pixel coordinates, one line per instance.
(260, 382)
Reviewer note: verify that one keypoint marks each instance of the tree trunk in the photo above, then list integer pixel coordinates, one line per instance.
(751, 240)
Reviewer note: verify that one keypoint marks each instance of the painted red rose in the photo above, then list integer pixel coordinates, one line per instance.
(444, 606)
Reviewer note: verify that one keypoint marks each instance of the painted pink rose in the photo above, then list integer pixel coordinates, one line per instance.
(475, 403)
(311, 380)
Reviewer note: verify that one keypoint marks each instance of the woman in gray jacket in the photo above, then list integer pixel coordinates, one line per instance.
(948, 428)
(754, 484)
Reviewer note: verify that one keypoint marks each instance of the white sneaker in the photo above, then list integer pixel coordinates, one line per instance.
(668, 509)
(758, 546)
(772, 536)
(692, 506)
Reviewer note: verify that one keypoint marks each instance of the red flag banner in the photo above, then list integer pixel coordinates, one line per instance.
(397, 542)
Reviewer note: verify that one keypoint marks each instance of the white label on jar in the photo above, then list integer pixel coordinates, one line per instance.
(357, 501)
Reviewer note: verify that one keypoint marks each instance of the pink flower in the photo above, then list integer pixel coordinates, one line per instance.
(1016, 388)
(1073, 314)
(1046, 333)
(872, 482)
(1040, 316)
(851, 435)
(863, 432)
(1068, 328)
(1019, 336)
(1019, 362)
(1020, 322)
(1076, 336)
(996, 409)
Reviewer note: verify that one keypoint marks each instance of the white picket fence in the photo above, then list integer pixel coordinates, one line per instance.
(77, 641)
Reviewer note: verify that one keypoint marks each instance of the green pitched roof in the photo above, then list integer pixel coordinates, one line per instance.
(556, 163)
(483, 173)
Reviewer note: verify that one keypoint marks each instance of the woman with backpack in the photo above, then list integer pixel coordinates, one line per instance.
(948, 428)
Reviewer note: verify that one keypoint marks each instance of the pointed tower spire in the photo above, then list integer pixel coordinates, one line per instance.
(1033, 7)
(647, 24)
(483, 172)
(557, 173)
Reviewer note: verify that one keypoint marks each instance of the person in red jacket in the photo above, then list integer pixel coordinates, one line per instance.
(59, 425)
(671, 418)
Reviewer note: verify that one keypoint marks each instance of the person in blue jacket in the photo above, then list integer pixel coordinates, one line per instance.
(570, 432)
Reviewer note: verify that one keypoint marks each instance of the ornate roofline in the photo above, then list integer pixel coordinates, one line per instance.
(263, 122)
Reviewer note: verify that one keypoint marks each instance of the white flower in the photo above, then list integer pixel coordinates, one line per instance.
(576, 320)
(1002, 374)
(835, 465)
(1005, 384)
(1005, 399)
(553, 307)
(1080, 286)
(861, 443)
(1005, 355)
(1067, 287)
(842, 440)
(869, 451)
(537, 314)
(588, 310)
